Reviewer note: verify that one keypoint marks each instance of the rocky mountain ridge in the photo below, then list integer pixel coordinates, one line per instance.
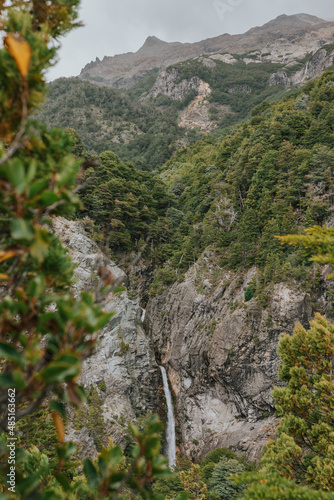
(283, 40)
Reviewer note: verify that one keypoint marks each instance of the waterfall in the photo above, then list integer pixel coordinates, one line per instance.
(306, 71)
(143, 315)
(170, 431)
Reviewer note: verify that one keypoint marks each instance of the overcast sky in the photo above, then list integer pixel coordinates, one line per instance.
(118, 26)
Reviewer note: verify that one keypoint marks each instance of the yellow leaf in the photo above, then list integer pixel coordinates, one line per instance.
(7, 255)
(21, 51)
(59, 425)
(4, 277)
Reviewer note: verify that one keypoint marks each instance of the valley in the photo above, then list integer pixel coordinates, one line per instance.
(167, 227)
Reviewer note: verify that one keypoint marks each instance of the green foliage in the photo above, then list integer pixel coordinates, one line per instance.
(45, 331)
(268, 177)
(192, 483)
(169, 487)
(95, 421)
(38, 430)
(217, 454)
(109, 119)
(127, 205)
(273, 487)
(220, 483)
(303, 448)
(241, 86)
(249, 294)
(317, 241)
(124, 348)
(107, 477)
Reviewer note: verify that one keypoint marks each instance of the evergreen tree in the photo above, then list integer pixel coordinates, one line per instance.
(220, 482)
(303, 450)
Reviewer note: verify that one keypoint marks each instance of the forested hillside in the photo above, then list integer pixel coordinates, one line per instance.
(271, 175)
(151, 274)
(239, 86)
(145, 134)
(143, 129)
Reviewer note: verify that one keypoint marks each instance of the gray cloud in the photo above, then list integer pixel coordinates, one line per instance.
(114, 27)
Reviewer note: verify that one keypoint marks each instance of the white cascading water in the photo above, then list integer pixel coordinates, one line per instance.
(143, 315)
(170, 431)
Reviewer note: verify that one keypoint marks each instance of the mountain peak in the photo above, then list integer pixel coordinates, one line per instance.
(297, 19)
(153, 43)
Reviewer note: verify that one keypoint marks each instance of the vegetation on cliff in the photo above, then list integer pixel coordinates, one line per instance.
(143, 133)
(271, 176)
(45, 331)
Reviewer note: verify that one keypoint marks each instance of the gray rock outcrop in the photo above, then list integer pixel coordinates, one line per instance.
(122, 367)
(220, 353)
(166, 85)
(321, 60)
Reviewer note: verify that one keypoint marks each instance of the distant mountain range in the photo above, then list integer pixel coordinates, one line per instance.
(283, 40)
(144, 106)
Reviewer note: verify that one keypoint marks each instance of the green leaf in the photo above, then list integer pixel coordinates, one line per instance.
(31, 171)
(37, 187)
(13, 380)
(135, 451)
(40, 247)
(65, 451)
(90, 473)
(15, 173)
(48, 198)
(9, 352)
(49, 495)
(182, 496)
(63, 481)
(58, 407)
(22, 229)
(36, 286)
(68, 358)
(30, 483)
(81, 393)
(59, 371)
(116, 455)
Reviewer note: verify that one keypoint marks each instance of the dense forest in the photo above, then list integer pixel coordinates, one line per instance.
(144, 130)
(271, 175)
(243, 195)
(144, 133)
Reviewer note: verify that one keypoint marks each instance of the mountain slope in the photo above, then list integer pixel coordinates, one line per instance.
(286, 37)
(140, 133)
(227, 289)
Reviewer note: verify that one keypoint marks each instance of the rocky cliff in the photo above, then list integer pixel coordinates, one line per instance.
(197, 113)
(122, 367)
(286, 40)
(219, 352)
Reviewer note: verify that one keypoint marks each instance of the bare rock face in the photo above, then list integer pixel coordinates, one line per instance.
(321, 60)
(221, 358)
(122, 368)
(283, 40)
(197, 113)
(85, 254)
(219, 351)
(166, 85)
